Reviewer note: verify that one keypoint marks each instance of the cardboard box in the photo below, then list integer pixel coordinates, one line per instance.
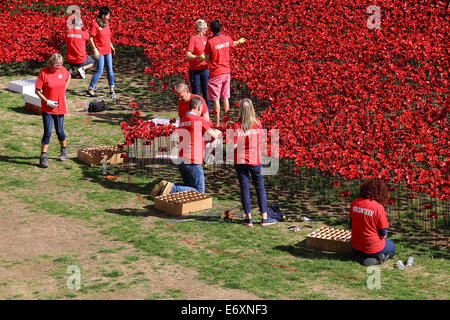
(330, 239)
(184, 202)
(94, 156)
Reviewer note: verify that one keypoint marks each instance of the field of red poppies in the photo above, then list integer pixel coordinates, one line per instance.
(349, 99)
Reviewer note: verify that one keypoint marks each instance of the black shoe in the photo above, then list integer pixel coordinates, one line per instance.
(382, 258)
(43, 161)
(63, 154)
(90, 94)
(367, 262)
(388, 256)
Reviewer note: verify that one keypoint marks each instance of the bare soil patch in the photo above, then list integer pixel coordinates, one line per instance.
(36, 249)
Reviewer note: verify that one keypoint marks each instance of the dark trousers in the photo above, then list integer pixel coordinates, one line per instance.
(243, 171)
(48, 120)
(389, 249)
(198, 80)
(193, 178)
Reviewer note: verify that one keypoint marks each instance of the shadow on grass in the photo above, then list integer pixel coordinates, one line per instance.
(414, 247)
(109, 117)
(22, 110)
(21, 68)
(94, 174)
(420, 245)
(32, 161)
(150, 211)
(300, 250)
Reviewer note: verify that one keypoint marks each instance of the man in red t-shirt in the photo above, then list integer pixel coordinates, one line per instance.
(184, 97)
(369, 224)
(76, 54)
(191, 130)
(217, 52)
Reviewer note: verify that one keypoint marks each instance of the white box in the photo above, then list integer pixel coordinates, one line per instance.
(22, 86)
(32, 98)
(165, 121)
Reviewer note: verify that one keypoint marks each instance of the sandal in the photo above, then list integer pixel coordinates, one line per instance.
(90, 94)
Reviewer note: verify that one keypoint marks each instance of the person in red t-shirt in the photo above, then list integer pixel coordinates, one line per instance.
(198, 68)
(369, 224)
(184, 97)
(76, 55)
(191, 129)
(247, 161)
(217, 52)
(51, 86)
(100, 40)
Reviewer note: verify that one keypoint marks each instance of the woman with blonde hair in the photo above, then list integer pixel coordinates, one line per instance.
(247, 161)
(51, 86)
(198, 68)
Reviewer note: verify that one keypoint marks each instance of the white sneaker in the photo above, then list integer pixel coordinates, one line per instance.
(82, 73)
(113, 97)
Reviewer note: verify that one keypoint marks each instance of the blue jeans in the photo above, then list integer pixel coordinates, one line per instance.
(48, 120)
(243, 171)
(389, 249)
(89, 60)
(193, 178)
(199, 78)
(104, 60)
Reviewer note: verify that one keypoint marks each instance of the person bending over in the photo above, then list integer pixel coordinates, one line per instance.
(184, 97)
(191, 130)
(76, 54)
(369, 224)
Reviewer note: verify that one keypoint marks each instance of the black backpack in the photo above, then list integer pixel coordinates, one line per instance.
(274, 212)
(97, 106)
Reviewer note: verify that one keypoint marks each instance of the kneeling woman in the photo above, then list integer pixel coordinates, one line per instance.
(51, 86)
(369, 224)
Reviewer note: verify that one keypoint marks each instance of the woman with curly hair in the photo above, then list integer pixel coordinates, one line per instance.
(369, 224)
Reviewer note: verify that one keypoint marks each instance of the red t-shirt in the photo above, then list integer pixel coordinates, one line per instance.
(367, 217)
(102, 38)
(76, 45)
(183, 106)
(248, 149)
(218, 50)
(196, 46)
(193, 127)
(53, 86)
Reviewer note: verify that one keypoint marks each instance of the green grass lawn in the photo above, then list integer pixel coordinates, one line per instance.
(271, 262)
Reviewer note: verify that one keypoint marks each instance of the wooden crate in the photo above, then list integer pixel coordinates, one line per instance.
(330, 239)
(94, 156)
(183, 202)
